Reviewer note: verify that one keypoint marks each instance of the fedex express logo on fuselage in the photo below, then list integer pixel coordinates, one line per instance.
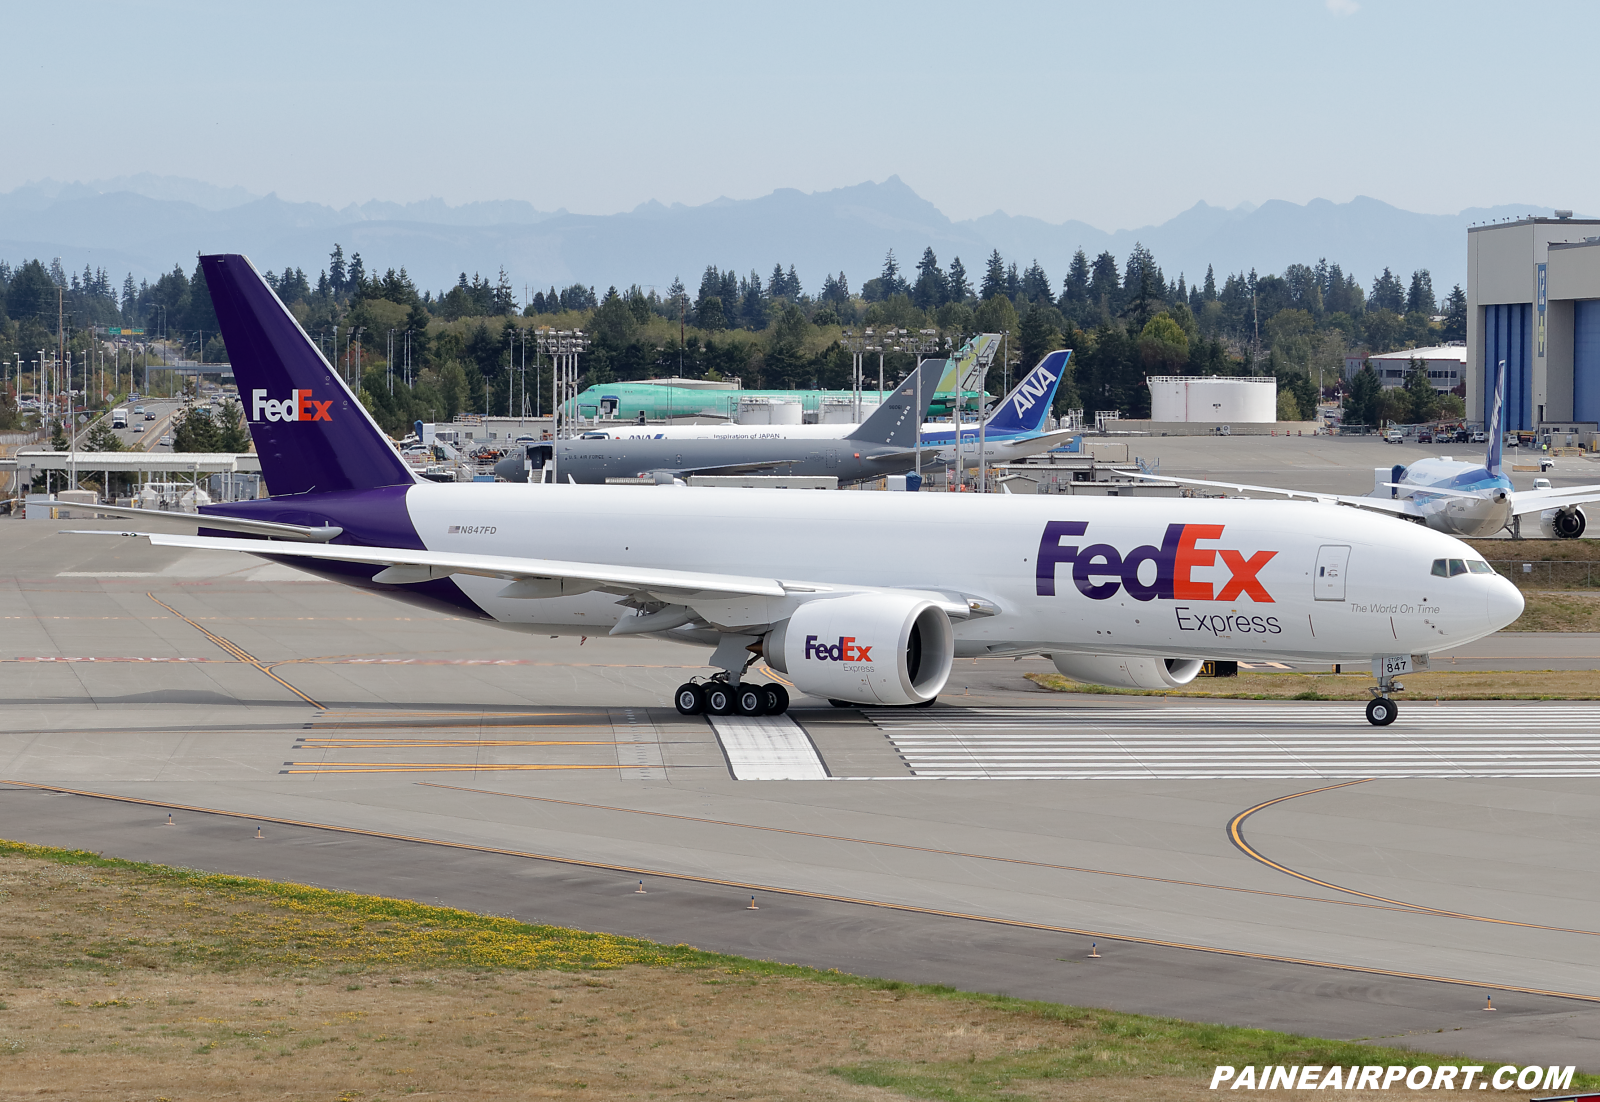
(299, 406)
(1099, 569)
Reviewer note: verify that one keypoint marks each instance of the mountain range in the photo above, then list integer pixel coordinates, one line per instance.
(144, 224)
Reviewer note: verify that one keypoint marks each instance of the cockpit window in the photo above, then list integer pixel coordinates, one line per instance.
(1449, 568)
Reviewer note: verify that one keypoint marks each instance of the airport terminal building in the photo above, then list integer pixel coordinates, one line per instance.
(1533, 300)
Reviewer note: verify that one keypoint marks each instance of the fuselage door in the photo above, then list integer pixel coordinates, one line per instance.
(1332, 560)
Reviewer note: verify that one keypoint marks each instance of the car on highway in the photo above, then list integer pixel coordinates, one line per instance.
(149, 417)
(138, 428)
(165, 442)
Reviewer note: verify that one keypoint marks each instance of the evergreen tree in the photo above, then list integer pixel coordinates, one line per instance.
(1210, 291)
(960, 289)
(336, 271)
(891, 282)
(1036, 285)
(1420, 298)
(1455, 315)
(1103, 288)
(1387, 294)
(994, 277)
(932, 288)
(1013, 287)
(1075, 288)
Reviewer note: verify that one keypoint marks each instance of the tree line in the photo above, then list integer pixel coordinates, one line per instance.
(429, 355)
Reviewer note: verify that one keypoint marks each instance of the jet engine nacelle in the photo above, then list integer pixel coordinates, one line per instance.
(1562, 524)
(1120, 671)
(867, 648)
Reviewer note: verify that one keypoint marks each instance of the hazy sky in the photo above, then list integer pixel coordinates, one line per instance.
(1117, 114)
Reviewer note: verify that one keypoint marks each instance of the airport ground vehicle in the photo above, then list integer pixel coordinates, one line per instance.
(860, 597)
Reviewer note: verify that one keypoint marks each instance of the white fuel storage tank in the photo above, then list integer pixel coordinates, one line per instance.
(1220, 398)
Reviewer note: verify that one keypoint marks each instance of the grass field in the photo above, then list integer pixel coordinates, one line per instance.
(142, 982)
(1435, 685)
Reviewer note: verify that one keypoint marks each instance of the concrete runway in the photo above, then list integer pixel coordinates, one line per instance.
(1254, 880)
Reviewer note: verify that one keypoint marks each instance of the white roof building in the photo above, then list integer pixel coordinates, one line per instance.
(1446, 364)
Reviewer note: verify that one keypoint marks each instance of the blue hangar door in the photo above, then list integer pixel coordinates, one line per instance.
(1508, 336)
(1586, 360)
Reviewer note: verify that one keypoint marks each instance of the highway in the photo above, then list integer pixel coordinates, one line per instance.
(1282, 865)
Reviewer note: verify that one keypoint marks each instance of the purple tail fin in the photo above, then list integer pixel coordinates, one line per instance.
(312, 434)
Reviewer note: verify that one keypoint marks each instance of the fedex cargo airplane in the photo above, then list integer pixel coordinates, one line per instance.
(857, 597)
(1463, 499)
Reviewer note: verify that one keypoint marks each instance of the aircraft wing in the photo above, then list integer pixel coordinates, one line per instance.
(731, 468)
(1398, 506)
(404, 566)
(299, 532)
(1560, 497)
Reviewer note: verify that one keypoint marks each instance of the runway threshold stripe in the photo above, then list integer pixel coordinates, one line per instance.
(634, 871)
(238, 652)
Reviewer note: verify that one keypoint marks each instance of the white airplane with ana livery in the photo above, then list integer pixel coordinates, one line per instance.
(1462, 499)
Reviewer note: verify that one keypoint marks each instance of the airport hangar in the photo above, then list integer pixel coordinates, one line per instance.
(1533, 300)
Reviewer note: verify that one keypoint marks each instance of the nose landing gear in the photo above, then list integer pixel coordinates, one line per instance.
(1381, 711)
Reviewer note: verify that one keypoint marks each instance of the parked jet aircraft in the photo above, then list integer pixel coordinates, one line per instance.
(857, 597)
(1461, 499)
(884, 443)
(1017, 427)
(606, 403)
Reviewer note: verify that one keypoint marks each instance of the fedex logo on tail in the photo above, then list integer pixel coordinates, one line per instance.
(845, 650)
(299, 406)
(1099, 570)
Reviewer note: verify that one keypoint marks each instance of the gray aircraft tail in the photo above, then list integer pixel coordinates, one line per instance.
(898, 420)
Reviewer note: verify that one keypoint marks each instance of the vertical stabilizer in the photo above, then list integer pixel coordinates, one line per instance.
(1028, 404)
(311, 432)
(897, 421)
(1493, 424)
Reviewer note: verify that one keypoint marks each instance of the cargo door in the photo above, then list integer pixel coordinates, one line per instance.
(1328, 584)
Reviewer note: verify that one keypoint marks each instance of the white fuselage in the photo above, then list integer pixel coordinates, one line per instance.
(1483, 514)
(1243, 579)
(938, 438)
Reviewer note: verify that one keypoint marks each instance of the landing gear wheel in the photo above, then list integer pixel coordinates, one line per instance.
(750, 700)
(719, 699)
(690, 699)
(1381, 711)
(777, 700)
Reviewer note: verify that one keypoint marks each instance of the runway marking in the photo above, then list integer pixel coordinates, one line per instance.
(767, 748)
(47, 658)
(1236, 836)
(423, 767)
(922, 849)
(237, 651)
(906, 908)
(406, 743)
(1184, 742)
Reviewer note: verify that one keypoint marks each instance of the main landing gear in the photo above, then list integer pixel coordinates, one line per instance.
(716, 697)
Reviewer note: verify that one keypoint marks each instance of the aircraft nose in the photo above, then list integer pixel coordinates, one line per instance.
(1503, 603)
